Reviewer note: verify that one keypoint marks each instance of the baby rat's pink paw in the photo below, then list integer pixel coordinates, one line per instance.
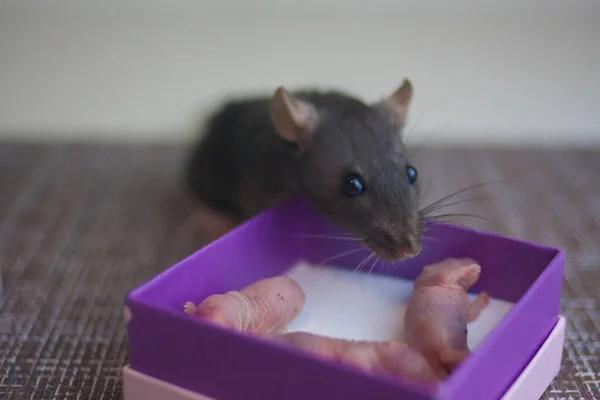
(484, 298)
(468, 276)
(451, 264)
(450, 272)
(189, 308)
(473, 269)
(477, 306)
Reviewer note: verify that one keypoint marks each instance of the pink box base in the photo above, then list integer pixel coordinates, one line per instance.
(530, 384)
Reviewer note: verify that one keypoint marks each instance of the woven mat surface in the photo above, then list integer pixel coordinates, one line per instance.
(81, 225)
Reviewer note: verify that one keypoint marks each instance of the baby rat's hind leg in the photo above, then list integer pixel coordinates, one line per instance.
(477, 306)
(451, 359)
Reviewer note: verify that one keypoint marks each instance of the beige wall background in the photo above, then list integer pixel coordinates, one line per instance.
(511, 72)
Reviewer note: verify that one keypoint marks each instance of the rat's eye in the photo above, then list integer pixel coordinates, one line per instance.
(353, 185)
(411, 173)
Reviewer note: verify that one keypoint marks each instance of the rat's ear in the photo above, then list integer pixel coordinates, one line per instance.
(294, 119)
(399, 102)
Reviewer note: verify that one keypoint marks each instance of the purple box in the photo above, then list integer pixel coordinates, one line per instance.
(166, 344)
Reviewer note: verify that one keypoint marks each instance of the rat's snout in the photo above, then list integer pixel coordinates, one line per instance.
(408, 248)
(390, 248)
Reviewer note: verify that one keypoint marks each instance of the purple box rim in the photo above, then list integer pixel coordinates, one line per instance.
(460, 375)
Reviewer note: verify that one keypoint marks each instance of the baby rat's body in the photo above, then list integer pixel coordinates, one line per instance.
(264, 307)
(392, 357)
(346, 156)
(437, 315)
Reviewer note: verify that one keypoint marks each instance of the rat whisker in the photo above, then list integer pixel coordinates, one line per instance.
(441, 218)
(362, 281)
(324, 262)
(425, 238)
(413, 151)
(337, 234)
(347, 238)
(384, 264)
(417, 121)
(364, 262)
(321, 269)
(468, 200)
(343, 254)
(438, 217)
(361, 263)
(425, 186)
(449, 238)
(435, 207)
(464, 190)
(390, 265)
(373, 255)
(374, 264)
(457, 224)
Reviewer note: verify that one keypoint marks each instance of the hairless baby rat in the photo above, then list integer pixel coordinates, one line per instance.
(439, 311)
(346, 156)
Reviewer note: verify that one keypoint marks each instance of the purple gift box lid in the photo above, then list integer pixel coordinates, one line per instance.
(166, 344)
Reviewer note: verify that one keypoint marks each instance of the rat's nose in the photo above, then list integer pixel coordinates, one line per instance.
(410, 247)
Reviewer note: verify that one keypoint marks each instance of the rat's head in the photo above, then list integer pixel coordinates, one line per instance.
(355, 165)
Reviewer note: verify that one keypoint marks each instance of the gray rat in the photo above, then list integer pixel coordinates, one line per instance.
(344, 155)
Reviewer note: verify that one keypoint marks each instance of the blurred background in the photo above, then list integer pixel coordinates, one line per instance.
(98, 101)
(512, 72)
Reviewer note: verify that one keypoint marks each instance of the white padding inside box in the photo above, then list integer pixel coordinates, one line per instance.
(365, 306)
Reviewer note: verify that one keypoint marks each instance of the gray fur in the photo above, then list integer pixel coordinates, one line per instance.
(242, 166)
